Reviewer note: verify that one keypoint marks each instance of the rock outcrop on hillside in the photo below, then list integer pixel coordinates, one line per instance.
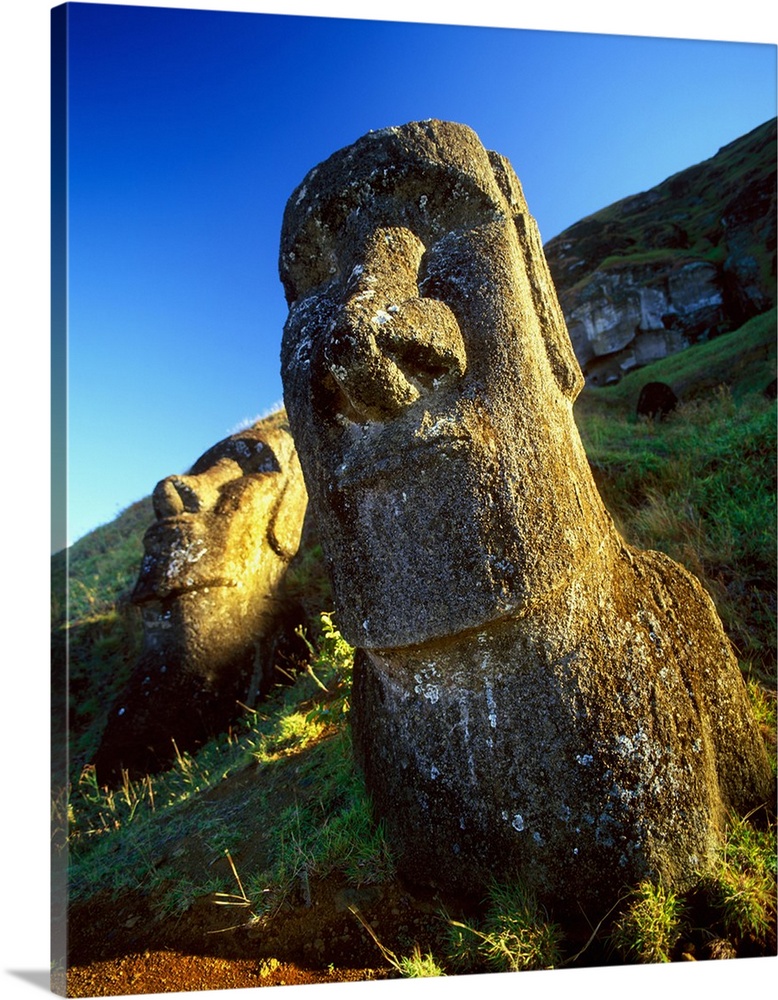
(656, 272)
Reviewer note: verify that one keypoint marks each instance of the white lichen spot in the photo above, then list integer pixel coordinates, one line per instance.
(490, 703)
(537, 838)
(423, 202)
(380, 318)
(301, 195)
(183, 557)
(518, 822)
(434, 772)
(442, 426)
(424, 687)
(584, 759)
(302, 353)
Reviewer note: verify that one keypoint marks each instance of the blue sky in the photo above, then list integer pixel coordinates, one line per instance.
(188, 130)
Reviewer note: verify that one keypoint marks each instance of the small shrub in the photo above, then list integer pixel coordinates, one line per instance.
(419, 966)
(517, 934)
(649, 928)
(746, 901)
(743, 888)
(462, 946)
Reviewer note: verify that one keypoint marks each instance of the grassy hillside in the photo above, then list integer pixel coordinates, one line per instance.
(95, 631)
(690, 216)
(700, 485)
(261, 848)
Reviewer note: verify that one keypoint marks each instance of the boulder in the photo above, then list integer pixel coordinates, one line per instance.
(211, 600)
(532, 696)
(656, 400)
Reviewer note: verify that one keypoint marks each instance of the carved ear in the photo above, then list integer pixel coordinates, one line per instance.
(286, 524)
(559, 349)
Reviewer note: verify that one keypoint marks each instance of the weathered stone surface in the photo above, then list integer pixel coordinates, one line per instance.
(595, 741)
(412, 345)
(532, 696)
(632, 315)
(209, 595)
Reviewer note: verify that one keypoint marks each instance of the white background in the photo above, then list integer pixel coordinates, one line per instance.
(24, 487)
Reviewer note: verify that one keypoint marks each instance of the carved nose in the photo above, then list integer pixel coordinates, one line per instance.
(385, 359)
(173, 496)
(373, 383)
(386, 346)
(193, 494)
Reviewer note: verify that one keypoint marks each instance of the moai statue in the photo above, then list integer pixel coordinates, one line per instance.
(208, 593)
(533, 697)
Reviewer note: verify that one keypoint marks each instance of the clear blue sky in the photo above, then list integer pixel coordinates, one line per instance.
(188, 130)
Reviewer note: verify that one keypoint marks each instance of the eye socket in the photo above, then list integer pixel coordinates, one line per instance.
(444, 270)
(431, 286)
(309, 260)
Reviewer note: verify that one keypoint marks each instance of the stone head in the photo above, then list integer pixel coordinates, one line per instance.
(429, 381)
(224, 534)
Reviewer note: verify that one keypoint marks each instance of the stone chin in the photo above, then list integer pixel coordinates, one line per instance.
(430, 563)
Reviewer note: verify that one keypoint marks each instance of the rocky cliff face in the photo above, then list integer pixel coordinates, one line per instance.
(656, 272)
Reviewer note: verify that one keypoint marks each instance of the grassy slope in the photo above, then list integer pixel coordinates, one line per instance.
(678, 219)
(94, 629)
(700, 485)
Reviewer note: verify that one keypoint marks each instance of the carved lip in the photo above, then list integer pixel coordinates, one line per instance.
(151, 588)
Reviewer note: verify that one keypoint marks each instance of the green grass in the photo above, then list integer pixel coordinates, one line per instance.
(515, 935)
(413, 966)
(116, 837)
(650, 926)
(700, 485)
(101, 567)
(743, 887)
